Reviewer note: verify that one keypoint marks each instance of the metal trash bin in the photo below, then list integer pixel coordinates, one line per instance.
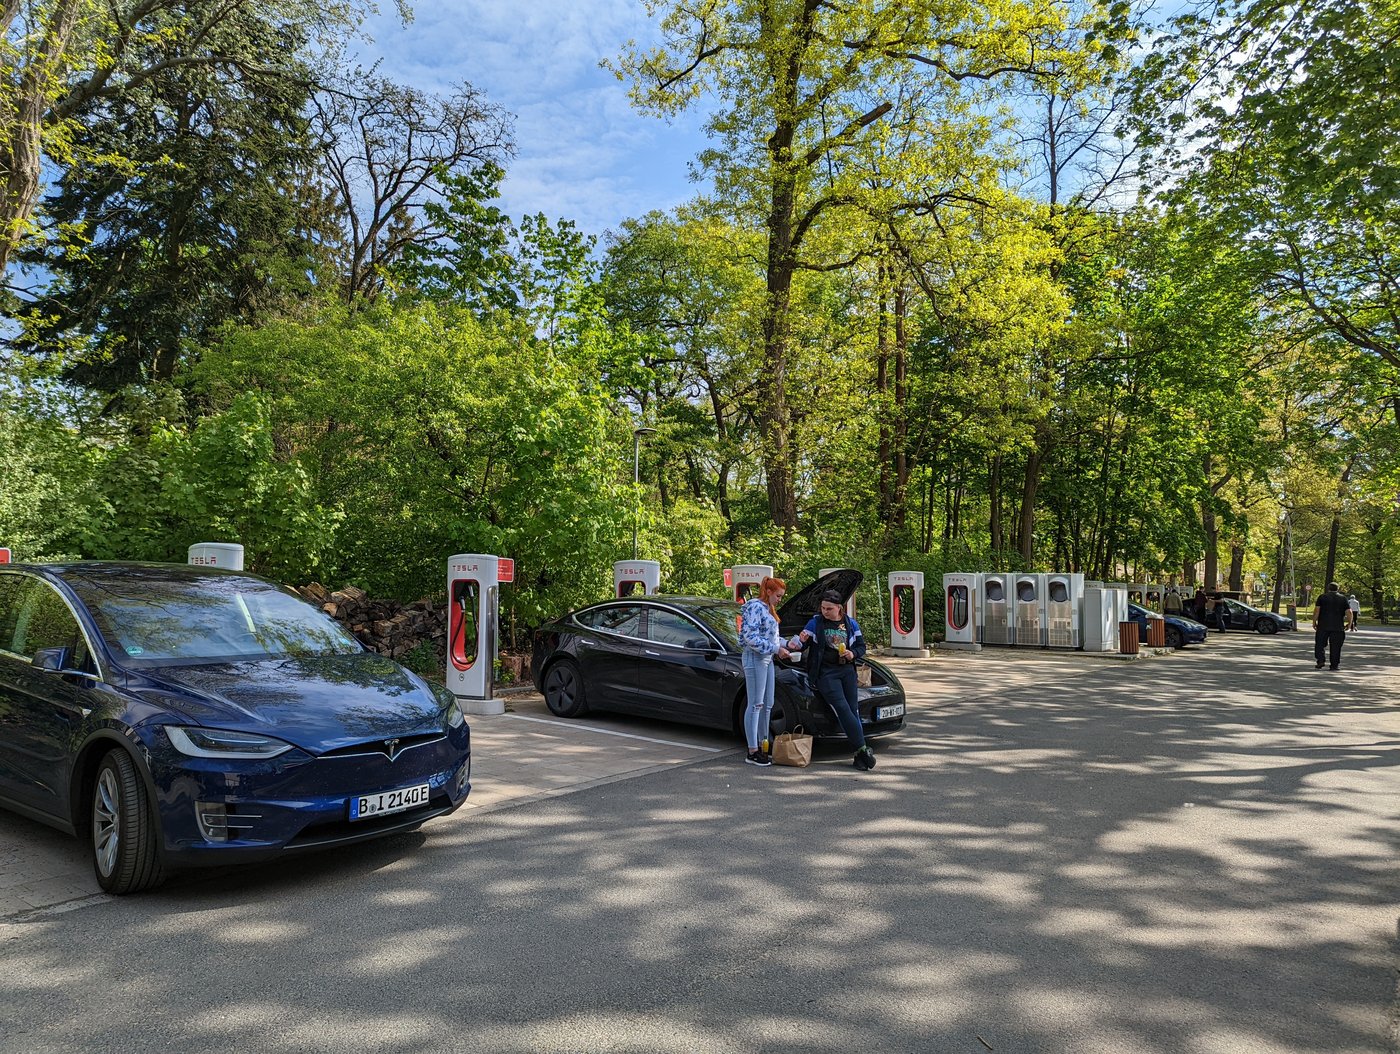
(1128, 642)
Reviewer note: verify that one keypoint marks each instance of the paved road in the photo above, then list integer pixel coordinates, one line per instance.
(1193, 854)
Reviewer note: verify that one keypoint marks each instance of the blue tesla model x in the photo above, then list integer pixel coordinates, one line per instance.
(179, 716)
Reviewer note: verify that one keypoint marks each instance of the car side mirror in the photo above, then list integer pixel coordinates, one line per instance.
(50, 660)
(698, 644)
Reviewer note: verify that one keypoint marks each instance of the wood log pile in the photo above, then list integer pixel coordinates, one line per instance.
(394, 629)
(385, 626)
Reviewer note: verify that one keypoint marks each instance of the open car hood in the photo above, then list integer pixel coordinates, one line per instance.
(798, 609)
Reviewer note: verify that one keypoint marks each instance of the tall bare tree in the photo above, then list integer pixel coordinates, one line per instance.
(387, 148)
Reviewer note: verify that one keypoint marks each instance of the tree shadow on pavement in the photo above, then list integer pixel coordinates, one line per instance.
(1192, 855)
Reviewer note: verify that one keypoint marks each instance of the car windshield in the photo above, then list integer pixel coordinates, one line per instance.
(720, 618)
(150, 620)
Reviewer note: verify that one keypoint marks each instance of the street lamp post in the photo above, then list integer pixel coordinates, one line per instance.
(637, 434)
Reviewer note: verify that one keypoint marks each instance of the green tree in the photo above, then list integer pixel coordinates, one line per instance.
(59, 57)
(806, 94)
(431, 432)
(1281, 116)
(188, 212)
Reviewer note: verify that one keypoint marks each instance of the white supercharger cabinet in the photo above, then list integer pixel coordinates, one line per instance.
(962, 592)
(1064, 594)
(998, 624)
(636, 577)
(1103, 608)
(747, 578)
(226, 555)
(851, 600)
(473, 604)
(1029, 610)
(907, 614)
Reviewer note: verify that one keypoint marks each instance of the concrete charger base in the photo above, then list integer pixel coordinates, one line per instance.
(482, 707)
(909, 653)
(957, 645)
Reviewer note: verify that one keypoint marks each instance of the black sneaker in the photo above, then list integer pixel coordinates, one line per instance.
(1319, 666)
(757, 757)
(864, 759)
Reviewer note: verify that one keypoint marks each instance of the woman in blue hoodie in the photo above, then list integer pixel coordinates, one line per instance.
(837, 646)
(758, 633)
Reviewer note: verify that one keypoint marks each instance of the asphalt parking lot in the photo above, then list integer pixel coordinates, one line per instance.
(1192, 854)
(528, 754)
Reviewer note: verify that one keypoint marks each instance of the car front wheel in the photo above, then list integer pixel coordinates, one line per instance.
(777, 723)
(1266, 626)
(1174, 637)
(563, 690)
(125, 853)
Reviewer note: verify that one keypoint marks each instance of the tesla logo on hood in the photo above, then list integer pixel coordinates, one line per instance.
(391, 747)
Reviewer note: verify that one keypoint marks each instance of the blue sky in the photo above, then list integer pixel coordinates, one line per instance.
(583, 153)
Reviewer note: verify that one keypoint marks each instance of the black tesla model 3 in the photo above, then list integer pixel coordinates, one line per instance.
(678, 658)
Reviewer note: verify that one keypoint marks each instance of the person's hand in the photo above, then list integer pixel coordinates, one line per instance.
(805, 635)
(848, 656)
(783, 653)
(795, 644)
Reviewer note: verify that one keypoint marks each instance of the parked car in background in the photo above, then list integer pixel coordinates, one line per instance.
(678, 658)
(1180, 631)
(1246, 616)
(178, 716)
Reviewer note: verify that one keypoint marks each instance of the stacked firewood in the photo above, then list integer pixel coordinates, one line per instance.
(385, 626)
(394, 629)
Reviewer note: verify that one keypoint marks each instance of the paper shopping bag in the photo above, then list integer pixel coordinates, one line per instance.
(793, 748)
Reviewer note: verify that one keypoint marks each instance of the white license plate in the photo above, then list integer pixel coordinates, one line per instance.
(362, 808)
(884, 713)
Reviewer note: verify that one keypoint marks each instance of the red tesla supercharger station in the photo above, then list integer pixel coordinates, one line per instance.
(907, 614)
(745, 579)
(4, 556)
(473, 613)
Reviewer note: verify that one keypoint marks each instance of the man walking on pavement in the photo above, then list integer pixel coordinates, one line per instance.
(1330, 617)
(1354, 611)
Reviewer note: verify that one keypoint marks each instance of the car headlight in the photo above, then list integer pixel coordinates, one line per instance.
(453, 716)
(218, 743)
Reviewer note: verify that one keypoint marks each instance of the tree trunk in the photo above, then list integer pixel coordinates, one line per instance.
(1377, 572)
(1236, 567)
(722, 440)
(901, 403)
(25, 115)
(882, 386)
(1025, 528)
(1336, 530)
(994, 528)
(774, 420)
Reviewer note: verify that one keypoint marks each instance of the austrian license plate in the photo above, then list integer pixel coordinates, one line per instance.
(885, 713)
(365, 806)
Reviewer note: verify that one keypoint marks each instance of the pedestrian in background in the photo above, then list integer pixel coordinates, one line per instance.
(1222, 614)
(1353, 611)
(837, 645)
(1330, 616)
(759, 635)
(1198, 606)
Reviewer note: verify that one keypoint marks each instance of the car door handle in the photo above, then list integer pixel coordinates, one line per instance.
(648, 651)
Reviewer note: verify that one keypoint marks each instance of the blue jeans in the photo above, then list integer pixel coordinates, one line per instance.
(758, 676)
(837, 685)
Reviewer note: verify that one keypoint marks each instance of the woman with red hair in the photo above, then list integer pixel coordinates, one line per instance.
(758, 632)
